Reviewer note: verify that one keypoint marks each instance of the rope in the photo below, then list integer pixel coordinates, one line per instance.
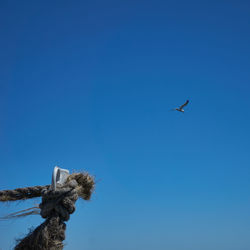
(21, 193)
(22, 213)
(55, 208)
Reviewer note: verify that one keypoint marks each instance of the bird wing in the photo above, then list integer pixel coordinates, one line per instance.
(183, 105)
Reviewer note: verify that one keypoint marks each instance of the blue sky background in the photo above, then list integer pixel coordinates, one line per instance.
(88, 85)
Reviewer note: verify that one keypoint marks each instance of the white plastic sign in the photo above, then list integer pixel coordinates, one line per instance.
(59, 176)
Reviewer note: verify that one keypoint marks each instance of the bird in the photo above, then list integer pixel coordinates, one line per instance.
(180, 109)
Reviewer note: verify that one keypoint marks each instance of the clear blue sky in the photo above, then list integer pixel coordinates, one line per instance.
(88, 85)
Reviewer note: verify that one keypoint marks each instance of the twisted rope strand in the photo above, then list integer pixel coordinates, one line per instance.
(22, 193)
(22, 213)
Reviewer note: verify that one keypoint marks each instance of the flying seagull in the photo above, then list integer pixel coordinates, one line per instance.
(182, 106)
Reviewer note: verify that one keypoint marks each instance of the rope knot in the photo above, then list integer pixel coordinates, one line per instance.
(61, 201)
(56, 207)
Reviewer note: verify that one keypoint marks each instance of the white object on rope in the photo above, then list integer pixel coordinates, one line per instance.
(59, 176)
